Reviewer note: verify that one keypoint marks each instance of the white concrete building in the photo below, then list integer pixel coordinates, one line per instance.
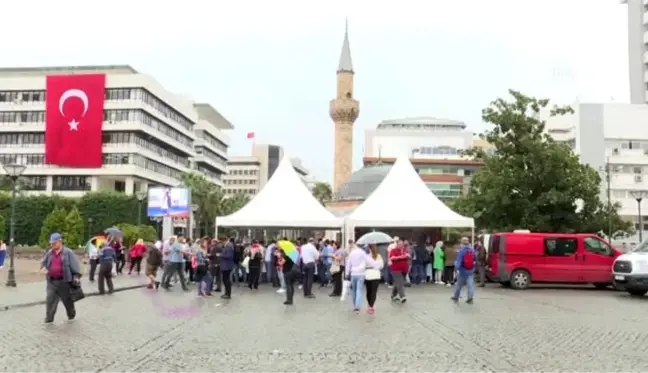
(150, 136)
(638, 49)
(417, 137)
(612, 136)
(248, 175)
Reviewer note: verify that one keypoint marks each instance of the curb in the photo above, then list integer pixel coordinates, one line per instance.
(95, 293)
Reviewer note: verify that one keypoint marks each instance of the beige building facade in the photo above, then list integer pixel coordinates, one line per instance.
(344, 111)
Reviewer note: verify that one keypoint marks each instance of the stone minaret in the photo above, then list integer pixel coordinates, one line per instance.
(344, 110)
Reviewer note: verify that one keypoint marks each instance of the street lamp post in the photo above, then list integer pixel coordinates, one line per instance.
(140, 198)
(192, 225)
(639, 195)
(89, 228)
(13, 171)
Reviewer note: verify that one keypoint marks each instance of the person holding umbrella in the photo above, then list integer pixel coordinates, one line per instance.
(116, 237)
(287, 257)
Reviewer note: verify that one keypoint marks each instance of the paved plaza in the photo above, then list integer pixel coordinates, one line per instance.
(504, 331)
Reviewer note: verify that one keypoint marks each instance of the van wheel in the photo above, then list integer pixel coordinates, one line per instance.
(637, 292)
(601, 286)
(520, 279)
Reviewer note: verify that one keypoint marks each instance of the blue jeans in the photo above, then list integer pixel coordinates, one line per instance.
(467, 281)
(357, 284)
(418, 273)
(205, 285)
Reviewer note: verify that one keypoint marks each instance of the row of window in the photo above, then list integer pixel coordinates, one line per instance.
(435, 150)
(244, 172)
(211, 173)
(212, 140)
(240, 191)
(108, 159)
(201, 150)
(445, 170)
(111, 94)
(112, 116)
(240, 182)
(560, 246)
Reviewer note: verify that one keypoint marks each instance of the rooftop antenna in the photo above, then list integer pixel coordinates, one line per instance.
(379, 162)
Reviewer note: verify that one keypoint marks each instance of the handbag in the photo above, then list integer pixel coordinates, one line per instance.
(335, 267)
(76, 291)
(346, 287)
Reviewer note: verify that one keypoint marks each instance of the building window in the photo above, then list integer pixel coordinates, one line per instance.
(76, 183)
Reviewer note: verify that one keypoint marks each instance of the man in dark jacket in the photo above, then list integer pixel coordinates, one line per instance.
(482, 262)
(154, 260)
(419, 261)
(107, 258)
(215, 250)
(61, 268)
(227, 264)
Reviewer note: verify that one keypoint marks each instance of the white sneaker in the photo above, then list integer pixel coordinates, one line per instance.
(301, 287)
(448, 284)
(281, 291)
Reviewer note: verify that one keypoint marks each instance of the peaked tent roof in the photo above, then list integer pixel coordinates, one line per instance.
(403, 200)
(284, 201)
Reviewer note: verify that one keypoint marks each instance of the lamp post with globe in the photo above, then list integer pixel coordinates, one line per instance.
(638, 196)
(13, 171)
(141, 195)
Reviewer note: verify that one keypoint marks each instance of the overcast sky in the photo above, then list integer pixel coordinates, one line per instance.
(269, 66)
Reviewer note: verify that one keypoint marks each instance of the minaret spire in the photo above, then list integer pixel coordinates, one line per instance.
(346, 63)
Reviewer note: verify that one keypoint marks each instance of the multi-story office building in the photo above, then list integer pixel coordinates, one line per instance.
(638, 49)
(610, 137)
(151, 136)
(248, 175)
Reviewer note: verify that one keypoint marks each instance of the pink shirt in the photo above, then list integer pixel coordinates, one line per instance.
(56, 265)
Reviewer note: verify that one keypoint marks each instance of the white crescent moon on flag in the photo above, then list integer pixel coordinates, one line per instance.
(74, 93)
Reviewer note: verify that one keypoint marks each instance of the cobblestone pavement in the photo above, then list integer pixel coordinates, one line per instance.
(504, 331)
(34, 292)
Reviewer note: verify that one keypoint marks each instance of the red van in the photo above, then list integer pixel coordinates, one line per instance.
(519, 259)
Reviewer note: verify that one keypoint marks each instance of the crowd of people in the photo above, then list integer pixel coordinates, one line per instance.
(215, 265)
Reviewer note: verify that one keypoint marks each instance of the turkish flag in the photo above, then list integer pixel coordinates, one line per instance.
(250, 135)
(74, 120)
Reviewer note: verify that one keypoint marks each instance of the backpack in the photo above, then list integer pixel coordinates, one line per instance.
(468, 260)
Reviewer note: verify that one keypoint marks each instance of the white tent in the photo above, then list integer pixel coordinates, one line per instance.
(403, 200)
(284, 201)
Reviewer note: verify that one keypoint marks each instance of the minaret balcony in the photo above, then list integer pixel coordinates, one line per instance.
(344, 110)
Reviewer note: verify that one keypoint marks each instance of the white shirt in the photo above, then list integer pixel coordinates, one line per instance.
(373, 273)
(93, 252)
(158, 245)
(358, 261)
(309, 253)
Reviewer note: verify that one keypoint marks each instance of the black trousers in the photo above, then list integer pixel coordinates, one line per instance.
(337, 282)
(290, 278)
(58, 290)
(309, 273)
(227, 282)
(189, 269)
(93, 268)
(137, 264)
(121, 261)
(218, 278)
(105, 278)
(169, 270)
(448, 275)
(372, 291)
(253, 277)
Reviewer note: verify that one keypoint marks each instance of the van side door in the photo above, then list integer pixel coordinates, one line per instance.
(559, 261)
(596, 261)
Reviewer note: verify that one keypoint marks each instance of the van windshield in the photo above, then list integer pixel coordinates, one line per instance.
(641, 248)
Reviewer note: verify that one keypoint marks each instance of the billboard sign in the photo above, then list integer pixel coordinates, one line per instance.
(168, 202)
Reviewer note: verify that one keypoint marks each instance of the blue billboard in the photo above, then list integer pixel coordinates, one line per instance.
(168, 202)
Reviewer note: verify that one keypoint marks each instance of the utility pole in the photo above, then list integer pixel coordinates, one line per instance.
(608, 175)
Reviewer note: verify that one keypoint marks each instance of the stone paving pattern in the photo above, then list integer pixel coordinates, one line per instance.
(504, 331)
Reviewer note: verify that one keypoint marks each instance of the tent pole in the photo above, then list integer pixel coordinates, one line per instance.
(473, 235)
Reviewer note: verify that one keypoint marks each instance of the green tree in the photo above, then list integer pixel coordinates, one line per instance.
(54, 222)
(530, 181)
(3, 227)
(74, 228)
(209, 199)
(322, 192)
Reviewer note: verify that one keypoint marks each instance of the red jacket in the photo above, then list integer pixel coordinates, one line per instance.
(137, 251)
(399, 265)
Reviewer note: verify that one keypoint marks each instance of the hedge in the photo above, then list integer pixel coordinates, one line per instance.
(106, 209)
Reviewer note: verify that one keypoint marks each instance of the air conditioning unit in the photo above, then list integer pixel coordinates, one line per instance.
(615, 151)
(638, 178)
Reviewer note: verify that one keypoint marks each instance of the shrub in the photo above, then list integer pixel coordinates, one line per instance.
(73, 231)
(54, 222)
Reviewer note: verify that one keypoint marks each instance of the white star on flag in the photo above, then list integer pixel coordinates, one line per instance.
(74, 125)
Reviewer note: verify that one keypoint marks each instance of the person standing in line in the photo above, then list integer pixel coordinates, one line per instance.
(254, 265)
(227, 264)
(61, 267)
(154, 260)
(136, 254)
(239, 273)
(202, 275)
(398, 263)
(215, 251)
(309, 256)
(107, 257)
(166, 249)
(279, 271)
(326, 260)
(450, 255)
(175, 266)
(429, 268)
(465, 267)
(439, 263)
(268, 261)
(372, 277)
(355, 268)
(116, 244)
(290, 274)
(93, 254)
(482, 261)
(337, 269)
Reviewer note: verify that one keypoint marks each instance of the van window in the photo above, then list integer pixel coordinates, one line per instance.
(494, 244)
(596, 246)
(560, 246)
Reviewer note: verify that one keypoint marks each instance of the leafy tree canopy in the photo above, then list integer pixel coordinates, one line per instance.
(531, 181)
(54, 222)
(322, 192)
(74, 228)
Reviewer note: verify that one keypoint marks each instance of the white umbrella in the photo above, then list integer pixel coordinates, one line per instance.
(374, 238)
